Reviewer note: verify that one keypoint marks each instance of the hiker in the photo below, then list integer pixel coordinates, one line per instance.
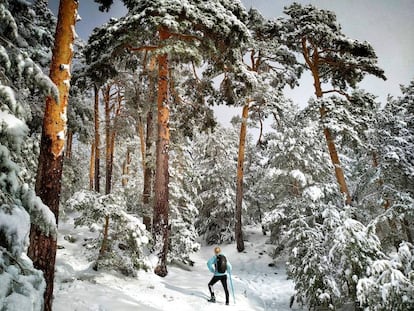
(220, 266)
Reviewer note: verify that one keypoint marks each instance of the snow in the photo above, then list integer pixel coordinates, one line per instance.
(66, 83)
(314, 193)
(15, 127)
(61, 135)
(299, 177)
(257, 285)
(14, 224)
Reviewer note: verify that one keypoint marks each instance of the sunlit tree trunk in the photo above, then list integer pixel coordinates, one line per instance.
(161, 204)
(239, 182)
(313, 62)
(42, 249)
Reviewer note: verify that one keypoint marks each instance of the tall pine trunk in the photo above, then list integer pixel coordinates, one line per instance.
(313, 62)
(97, 139)
(141, 135)
(148, 171)
(149, 154)
(69, 144)
(92, 167)
(42, 249)
(239, 183)
(108, 166)
(125, 168)
(161, 204)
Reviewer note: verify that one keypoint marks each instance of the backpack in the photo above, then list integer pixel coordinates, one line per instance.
(221, 264)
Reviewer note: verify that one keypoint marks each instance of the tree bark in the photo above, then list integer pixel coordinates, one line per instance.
(92, 167)
(148, 171)
(69, 145)
(108, 166)
(42, 249)
(161, 204)
(125, 168)
(140, 132)
(339, 173)
(239, 183)
(97, 139)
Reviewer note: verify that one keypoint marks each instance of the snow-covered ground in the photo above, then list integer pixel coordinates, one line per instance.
(256, 285)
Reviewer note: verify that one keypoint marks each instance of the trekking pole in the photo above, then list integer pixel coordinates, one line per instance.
(232, 288)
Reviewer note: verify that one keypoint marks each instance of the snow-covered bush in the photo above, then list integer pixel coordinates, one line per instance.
(389, 284)
(126, 246)
(330, 256)
(183, 204)
(216, 158)
(22, 286)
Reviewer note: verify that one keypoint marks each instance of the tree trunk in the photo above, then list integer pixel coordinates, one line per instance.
(109, 145)
(140, 132)
(104, 244)
(92, 167)
(339, 173)
(108, 166)
(42, 249)
(239, 183)
(149, 171)
(69, 145)
(125, 168)
(161, 204)
(313, 62)
(149, 154)
(97, 139)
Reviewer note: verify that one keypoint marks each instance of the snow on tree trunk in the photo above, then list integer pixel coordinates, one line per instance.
(239, 185)
(42, 249)
(160, 221)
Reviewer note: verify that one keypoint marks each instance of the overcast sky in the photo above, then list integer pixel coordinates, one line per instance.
(387, 24)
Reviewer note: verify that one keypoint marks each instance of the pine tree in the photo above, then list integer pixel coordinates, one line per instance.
(177, 31)
(332, 58)
(395, 161)
(22, 284)
(274, 67)
(389, 284)
(216, 157)
(42, 248)
(126, 243)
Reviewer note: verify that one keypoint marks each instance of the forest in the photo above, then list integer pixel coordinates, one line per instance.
(119, 135)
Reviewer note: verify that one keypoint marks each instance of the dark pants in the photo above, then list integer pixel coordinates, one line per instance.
(214, 280)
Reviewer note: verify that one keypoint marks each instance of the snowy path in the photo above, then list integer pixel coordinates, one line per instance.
(257, 286)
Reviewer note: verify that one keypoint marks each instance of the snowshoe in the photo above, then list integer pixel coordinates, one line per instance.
(212, 299)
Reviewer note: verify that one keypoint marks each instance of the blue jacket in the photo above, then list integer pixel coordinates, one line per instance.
(211, 264)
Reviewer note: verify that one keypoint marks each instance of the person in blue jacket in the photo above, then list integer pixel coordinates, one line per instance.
(218, 276)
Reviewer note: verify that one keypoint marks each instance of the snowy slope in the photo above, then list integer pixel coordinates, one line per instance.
(257, 286)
